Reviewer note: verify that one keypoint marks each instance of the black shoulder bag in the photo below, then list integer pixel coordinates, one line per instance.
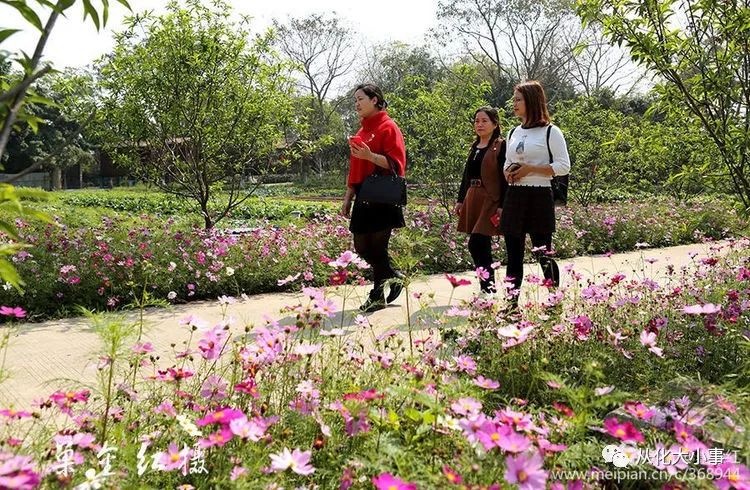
(559, 182)
(384, 189)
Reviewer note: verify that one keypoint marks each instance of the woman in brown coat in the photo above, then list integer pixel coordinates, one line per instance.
(480, 198)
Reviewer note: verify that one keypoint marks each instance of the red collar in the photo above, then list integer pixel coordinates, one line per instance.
(372, 122)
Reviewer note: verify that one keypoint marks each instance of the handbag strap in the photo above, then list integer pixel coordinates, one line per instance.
(392, 164)
(549, 130)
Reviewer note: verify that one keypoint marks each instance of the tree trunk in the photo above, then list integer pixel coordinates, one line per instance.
(56, 179)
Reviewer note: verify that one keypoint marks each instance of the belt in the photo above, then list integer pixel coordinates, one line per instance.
(475, 182)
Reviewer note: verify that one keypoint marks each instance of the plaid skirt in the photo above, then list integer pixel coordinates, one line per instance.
(528, 209)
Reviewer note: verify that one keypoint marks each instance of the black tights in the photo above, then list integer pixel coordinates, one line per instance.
(373, 247)
(480, 248)
(515, 245)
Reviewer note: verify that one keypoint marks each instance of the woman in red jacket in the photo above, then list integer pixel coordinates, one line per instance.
(378, 147)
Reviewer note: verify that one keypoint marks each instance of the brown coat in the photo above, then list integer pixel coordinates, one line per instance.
(482, 202)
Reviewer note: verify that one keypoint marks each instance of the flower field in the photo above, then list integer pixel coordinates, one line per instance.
(612, 374)
(101, 259)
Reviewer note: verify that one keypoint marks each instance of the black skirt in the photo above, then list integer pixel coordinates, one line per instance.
(370, 217)
(528, 209)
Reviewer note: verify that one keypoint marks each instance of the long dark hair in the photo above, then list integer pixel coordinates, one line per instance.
(372, 90)
(536, 103)
(494, 117)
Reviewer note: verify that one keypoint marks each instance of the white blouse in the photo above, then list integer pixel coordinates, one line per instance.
(529, 147)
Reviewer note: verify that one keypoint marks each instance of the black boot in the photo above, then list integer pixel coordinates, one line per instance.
(397, 285)
(375, 301)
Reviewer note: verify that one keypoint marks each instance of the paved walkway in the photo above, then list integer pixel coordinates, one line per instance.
(43, 357)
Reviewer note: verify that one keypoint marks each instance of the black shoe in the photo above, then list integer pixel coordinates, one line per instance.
(552, 272)
(397, 285)
(374, 302)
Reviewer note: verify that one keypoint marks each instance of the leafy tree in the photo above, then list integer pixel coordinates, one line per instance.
(323, 53)
(196, 107)
(14, 94)
(700, 50)
(389, 65)
(513, 40)
(59, 142)
(437, 126)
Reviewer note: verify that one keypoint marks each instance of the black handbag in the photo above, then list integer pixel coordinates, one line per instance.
(559, 182)
(384, 189)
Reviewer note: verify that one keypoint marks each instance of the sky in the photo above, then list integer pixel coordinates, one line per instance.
(74, 43)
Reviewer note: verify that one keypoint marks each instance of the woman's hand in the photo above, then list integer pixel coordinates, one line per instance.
(520, 171)
(346, 208)
(457, 208)
(362, 151)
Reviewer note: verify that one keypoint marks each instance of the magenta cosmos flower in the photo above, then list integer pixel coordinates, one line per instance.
(16, 312)
(526, 472)
(386, 481)
(455, 282)
(624, 431)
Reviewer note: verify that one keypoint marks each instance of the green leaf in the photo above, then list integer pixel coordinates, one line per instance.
(26, 12)
(579, 48)
(90, 11)
(9, 230)
(9, 274)
(6, 33)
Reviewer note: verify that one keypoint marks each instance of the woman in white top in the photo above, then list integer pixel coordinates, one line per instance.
(535, 152)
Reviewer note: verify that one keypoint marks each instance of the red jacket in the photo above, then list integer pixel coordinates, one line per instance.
(383, 136)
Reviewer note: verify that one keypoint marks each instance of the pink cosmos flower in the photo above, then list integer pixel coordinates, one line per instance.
(237, 473)
(455, 282)
(212, 343)
(706, 309)
(624, 431)
(142, 348)
(482, 273)
(214, 388)
(583, 326)
(466, 364)
(514, 442)
(466, 406)
(298, 461)
(604, 390)
(247, 429)
(174, 458)
(65, 400)
(18, 472)
(307, 349)
(639, 410)
(490, 434)
(218, 438)
(526, 472)
(486, 383)
(223, 416)
(15, 414)
(287, 280)
(731, 475)
(648, 339)
(16, 312)
(386, 481)
(451, 475)
(166, 408)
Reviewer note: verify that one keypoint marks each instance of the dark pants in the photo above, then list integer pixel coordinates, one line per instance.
(515, 246)
(373, 247)
(480, 248)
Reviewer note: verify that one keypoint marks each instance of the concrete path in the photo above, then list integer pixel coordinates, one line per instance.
(43, 357)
